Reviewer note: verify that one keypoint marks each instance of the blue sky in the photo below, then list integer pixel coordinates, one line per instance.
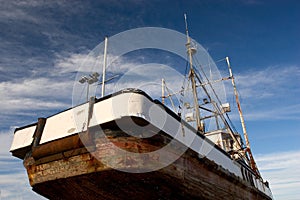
(42, 43)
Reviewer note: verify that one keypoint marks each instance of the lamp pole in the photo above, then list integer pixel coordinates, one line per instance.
(92, 78)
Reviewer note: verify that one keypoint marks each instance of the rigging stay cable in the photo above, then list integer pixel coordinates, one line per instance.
(182, 90)
(230, 125)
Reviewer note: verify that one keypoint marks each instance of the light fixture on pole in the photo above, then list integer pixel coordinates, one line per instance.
(93, 78)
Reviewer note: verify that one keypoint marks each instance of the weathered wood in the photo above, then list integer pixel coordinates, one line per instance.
(82, 176)
(38, 132)
(65, 144)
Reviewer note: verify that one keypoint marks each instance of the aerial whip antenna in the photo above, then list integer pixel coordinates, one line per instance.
(104, 66)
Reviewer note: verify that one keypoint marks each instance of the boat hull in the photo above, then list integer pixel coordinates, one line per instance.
(128, 146)
(78, 173)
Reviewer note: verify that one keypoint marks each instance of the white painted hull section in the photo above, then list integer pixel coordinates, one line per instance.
(23, 138)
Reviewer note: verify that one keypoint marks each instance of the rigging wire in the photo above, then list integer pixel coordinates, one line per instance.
(208, 63)
(182, 89)
(170, 97)
(209, 83)
(218, 99)
(215, 94)
(221, 116)
(231, 123)
(81, 93)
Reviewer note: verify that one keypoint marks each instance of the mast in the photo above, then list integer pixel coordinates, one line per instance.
(162, 91)
(190, 52)
(248, 149)
(104, 66)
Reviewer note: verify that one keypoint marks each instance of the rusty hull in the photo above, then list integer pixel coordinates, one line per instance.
(78, 173)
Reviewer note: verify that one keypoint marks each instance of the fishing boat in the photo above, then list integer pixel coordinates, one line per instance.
(127, 145)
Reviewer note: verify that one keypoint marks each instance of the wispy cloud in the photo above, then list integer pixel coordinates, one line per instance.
(39, 87)
(270, 93)
(6, 137)
(131, 74)
(28, 10)
(53, 89)
(29, 96)
(33, 34)
(271, 80)
(283, 173)
(14, 182)
(286, 112)
(37, 68)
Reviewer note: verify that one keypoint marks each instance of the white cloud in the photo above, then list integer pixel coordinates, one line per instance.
(287, 112)
(271, 80)
(269, 94)
(54, 89)
(46, 87)
(6, 140)
(25, 10)
(16, 14)
(92, 62)
(28, 95)
(148, 77)
(14, 182)
(131, 74)
(256, 88)
(283, 173)
(34, 94)
(73, 62)
(30, 104)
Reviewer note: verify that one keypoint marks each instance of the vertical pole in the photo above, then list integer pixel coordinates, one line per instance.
(252, 162)
(87, 92)
(192, 76)
(162, 91)
(38, 132)
(238, 103)
(104, 66)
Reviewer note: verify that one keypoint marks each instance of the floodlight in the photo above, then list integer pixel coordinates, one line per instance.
(89, 80)
(95, 74)
(83, 79)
